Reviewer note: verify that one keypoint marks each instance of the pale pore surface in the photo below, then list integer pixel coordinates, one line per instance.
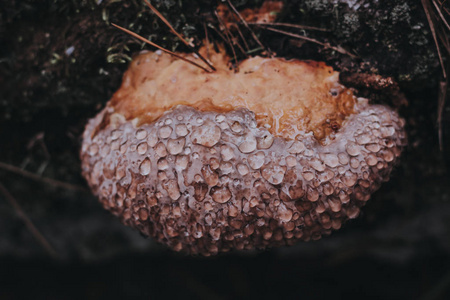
(287, 97)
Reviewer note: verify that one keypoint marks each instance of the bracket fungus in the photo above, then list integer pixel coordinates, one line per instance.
(276, 152)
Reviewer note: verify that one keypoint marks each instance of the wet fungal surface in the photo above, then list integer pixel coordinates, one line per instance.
(206, 171)
(282, 94)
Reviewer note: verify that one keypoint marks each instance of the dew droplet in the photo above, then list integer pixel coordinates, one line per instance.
(208, 219)
(142, 148)
(284, 214)
(171, 186)
(248, 143)
(326, 175)
(141, 134)
(115, 145)
(256, 160)
(249, 229)
(214, 163)
(352, 212)
(242, 169)
(215, 234)
(364, 183)
(354, 163)
(207, 135)
(265, 141)
(220, 118)
(364, 138)
(296, 191)
(93, 149)
(274, 174)
(267, 234)
(371, 159)
(317, 164)
(374, 147)
(297, 147)
(163, 164)
(151, 200)
(105, 151)
(161, 150)
(353, 149)
(220, 194)
(343, 158)
(330, 159)
(145, 167)
(312, 194)
(334, 204)
(328, 189)
(162, 176)
(344, 197)
(237, 127)
(165, 132)
(308, 176)
(200, 190)
(388, 155)
(175, 146)
(233, 211)
(291, 161)
(115, 134)
(182, 161)
(211, 177)
(181, 130)
(226, 167)
(349, 178)
(143, 214)
(152, 139)
(227, 153)
(387, 131)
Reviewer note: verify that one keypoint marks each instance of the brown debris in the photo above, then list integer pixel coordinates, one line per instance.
(375, 83)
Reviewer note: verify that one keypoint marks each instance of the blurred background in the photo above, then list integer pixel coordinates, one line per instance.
(60, 62)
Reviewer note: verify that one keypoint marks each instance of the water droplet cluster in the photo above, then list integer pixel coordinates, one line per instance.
(207, 182)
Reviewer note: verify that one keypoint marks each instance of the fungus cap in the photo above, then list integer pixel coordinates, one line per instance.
(207, 162)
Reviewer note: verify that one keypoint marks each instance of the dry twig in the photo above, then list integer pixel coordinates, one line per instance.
(325, 45)
(49, 181)
(426, 7)
(288, 25)
(439, 35)
(441, 104)
(28, 223)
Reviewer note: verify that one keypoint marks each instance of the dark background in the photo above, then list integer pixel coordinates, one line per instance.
(60, 61)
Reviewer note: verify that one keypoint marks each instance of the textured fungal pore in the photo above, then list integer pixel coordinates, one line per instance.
(207, 162)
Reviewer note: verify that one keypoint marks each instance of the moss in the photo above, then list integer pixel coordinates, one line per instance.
(401, 13)
(389, 37)
(348, 26)
(318, 6)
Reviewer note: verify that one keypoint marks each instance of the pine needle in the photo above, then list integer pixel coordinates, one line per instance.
(188, 44)
(160, 48)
